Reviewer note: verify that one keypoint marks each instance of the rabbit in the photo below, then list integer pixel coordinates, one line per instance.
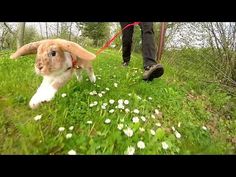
(56, 61)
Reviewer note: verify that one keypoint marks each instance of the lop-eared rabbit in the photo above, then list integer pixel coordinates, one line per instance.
(56, 61)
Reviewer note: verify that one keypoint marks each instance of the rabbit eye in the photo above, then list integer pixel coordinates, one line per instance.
(53, 53)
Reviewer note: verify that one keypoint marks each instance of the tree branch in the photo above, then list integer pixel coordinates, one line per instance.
(9, 29)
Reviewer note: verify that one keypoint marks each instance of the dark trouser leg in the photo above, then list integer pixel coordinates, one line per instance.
(148, 44)
(126, 41)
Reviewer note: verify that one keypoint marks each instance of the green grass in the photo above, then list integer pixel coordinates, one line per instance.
(182, 95)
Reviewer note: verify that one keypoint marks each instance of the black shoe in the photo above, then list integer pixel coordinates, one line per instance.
(153, 71)
(125, 63)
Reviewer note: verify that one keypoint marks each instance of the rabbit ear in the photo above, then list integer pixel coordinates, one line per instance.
(76, 49)
(30, 48)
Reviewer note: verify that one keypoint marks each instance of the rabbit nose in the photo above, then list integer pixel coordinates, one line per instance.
(39, 66)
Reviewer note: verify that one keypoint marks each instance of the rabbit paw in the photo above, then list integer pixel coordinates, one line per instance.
(92, 78)
(43, 95)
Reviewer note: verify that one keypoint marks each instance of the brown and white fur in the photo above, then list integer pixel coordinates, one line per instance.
(56, 61)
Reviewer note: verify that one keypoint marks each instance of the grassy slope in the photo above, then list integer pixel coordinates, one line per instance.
(181, 95)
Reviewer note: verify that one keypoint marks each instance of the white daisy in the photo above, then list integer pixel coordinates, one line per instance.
(126, 102)
(152, 132)
(115, 84)
(69, 135)
(104, 104)
(103, 92)
(129, 94)
(139, 97)
(141, 145)
(150, 98)
(100, 95)
(72, 152)
(107, 121)
(177, 134)
(127, 110)
(158, 124)
(204, 128)
(38, 117)
(71, 128)
(63, 95)
(95, 103)
(120, 126)
(130, 150)
(143, 118)
(136, 111)
(141, 129)
(129, 132)
(91, 105)
(93, 93)
(107, 89)
(179, 124)
(164, 145)
(89, 122)
(103, 107)
(153, 116)
(61, 129)
(111, 111)
(120, 101)
(157, 111)
(135, 119)
(120, 106)
(111, 101)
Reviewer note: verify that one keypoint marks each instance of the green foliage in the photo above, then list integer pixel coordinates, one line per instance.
(85, 41)
(118, 41)
(99, 32)
(137, 40)
(65, 31)
(31, 35)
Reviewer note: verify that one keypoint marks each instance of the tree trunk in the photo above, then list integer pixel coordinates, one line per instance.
(57, 29)
(20, 35)
(46, 30)
(41, 31)
(70, 31)
(161, 41)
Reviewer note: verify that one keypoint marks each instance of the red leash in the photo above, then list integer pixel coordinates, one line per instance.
(115, 36)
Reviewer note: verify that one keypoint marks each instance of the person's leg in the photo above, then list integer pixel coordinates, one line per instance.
(127, 35)
(152, 69)
(148, 44)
